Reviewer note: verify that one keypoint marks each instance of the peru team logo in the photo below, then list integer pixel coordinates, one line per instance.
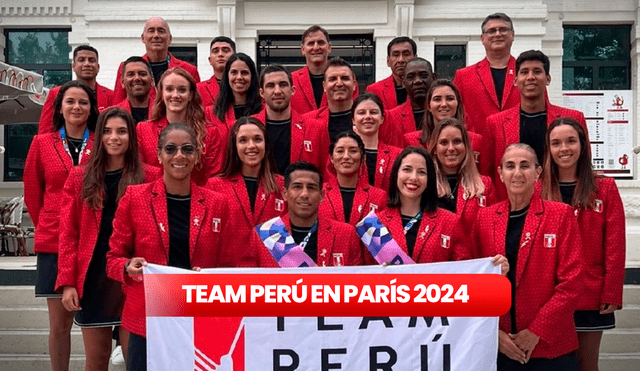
(445, 241)
(307, 146)
(338, 260)
(598, 206)
(549, 241)
(482, 201)
(279, 204)
(215, 225)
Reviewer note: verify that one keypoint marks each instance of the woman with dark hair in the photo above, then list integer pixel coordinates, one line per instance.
(51, 157)
(93, 191)
(239, 92)
(254, 189)
(171, 222)
(569, 178)
(367, 115)
(461, 189)
(178, 101)
(426, 233)
(348, 197)
(444, 102)
(541, 241)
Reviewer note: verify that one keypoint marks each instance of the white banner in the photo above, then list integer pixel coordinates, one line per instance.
(326, 343)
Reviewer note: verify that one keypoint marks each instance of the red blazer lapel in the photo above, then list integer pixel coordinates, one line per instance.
(461, 203)
(501, 220)
(297, 136)
(64, 156)
(261, 202)
(307, 89)
(509, 78)
(484, 73)
(529, 232)
(326, 241)
(86, 154)
(511, 128)
(427, 226)
(389, 90)
(241, 193)
(334, 198)
(553, 113)
(198, 217)
(161, 218)
(408, 122)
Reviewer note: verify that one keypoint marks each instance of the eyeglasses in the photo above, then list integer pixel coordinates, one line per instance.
(187, 149)
(500, 30)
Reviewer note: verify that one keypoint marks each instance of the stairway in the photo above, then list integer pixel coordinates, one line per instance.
(620, 347)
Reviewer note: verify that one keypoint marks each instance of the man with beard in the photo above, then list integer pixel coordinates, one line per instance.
(137, 80)
(390, 90)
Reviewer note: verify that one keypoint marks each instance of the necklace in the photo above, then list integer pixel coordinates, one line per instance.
(76, 148)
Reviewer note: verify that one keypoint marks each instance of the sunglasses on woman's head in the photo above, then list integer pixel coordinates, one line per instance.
(187, 149)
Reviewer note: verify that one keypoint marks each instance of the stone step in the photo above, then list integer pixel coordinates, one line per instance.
(24, 318)
(628, 317)
(621, 341)
(30, 341)
(36, 362)
(20, 296)
(631, 296)
(619, 362)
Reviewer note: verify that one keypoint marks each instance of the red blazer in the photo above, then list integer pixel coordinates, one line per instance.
(386, 90)
(303, 100)
(242, 221)
(333, 238)
(104, 96)
(429, 243)
(79, 229)
(212, 160)
(365, 199)
(478, 92)
(467, 210)
(549, 273)
(309, 136)
(477, 146)
(603, 253)
(141, 229)
(504, 128)
(125, 105)
(386, 157)
(45, 172)
(208, 91)
(397, 122)
(119, 93)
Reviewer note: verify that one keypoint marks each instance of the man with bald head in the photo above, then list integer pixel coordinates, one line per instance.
(156, 37)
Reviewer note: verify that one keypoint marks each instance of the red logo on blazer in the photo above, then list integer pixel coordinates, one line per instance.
(445, 241)
(337, 259)
(598, 206)
(307, 146)
(549, 241)
(482, 201)
(279, 204)
(215, 224)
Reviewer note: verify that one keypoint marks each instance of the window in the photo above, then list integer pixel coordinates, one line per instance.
(47, 53)
(358, 50)
(186, 53)
(596, 58)
(448, 59)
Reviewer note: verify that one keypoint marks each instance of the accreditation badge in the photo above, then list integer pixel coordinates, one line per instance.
(549, 241)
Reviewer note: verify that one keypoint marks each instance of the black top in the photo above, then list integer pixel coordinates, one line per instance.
(111, 182)
(240, 110)
(347, 201)
(372, 162)
(339, 122)
(418, 115)
(280, 136)
(252, 189)
(566, 191)
(179, 212)
(401, 94)
(75, 147)
(512, 246)
(311, 249)
(316, 84)
(158, 68)
(412, 233)
(450, 202)
(498, 75)
(139, 114)
(533, 128)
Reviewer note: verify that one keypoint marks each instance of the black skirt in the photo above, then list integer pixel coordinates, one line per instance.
(46, 275)
(592, 320)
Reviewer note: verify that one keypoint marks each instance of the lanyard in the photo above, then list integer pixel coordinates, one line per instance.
(412, 222)
(304, 242)
(85, 140)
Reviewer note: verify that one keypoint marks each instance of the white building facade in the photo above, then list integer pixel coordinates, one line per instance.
(444, 30)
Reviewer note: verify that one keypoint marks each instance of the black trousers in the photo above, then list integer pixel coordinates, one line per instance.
(137, 359)
(567, 362)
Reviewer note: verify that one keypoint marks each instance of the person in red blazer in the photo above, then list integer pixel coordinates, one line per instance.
(367, 115)
(86, 67)
(532, 69)
(327, 242)
(461, 188)
(172, 222)
(444, 102)
(400, 50)
(89, 202)
(402, 119)
(49, 161)
(156, 37)
(541, 240)
(348, 197)
(487, 86)
(179, 102)
(220, 50)
(292, 139)
(253, 188)
(137, 80)
(568, 177)
(426, 233)
(238, 96)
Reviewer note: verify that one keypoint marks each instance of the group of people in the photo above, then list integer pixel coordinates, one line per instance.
(277, 169)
